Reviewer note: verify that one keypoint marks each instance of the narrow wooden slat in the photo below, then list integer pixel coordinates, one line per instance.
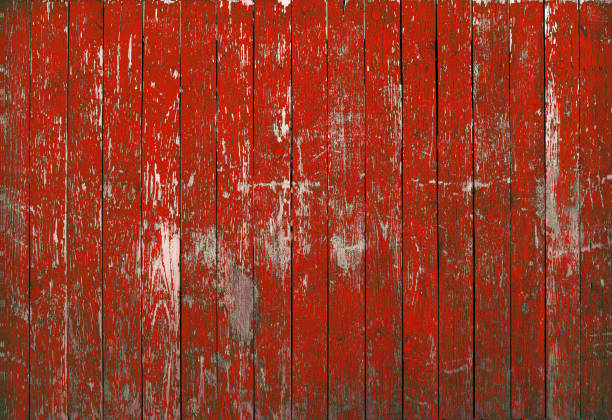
(237, 297)
(455, 218)
(161, 209)
(562, 211)
(383, 190)
(527, 207)
(346, 208)
(48, 295)
(84, 209)
(309, 203)
(121, 209)
(14, 202)
(198, 210)
(595, 214)
(272, 211)
(420, 248)
(491, 209)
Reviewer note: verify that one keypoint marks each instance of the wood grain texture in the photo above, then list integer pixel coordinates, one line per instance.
(122, 262)
(84, 209)
(455, 206)
(161, 209)
(346, 209)
(527, 207)
(595, 214)
(48, 286)
(383, 204)
(198, 210)
(14, 203)
(309, 208)
(238, 299)
(562, 211)
(420, 210)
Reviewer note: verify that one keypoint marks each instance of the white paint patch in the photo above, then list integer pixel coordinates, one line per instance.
(284, 3)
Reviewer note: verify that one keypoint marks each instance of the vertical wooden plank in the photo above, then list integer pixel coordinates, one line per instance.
(237, 296)
(346, 209)
(122, 209)
(383, 191)
(527, 207)
(455, 219)
(198, 210)
(309, 202)
(160, 209)
(420, 210)
(562, 210)
(84, 209)
(48, 300)
(491, 209)
(272, 211)
(14, 202)
(595, 215)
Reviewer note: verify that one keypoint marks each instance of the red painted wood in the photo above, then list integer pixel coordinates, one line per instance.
(309, 207)
(161, 210)
(383, 203)
(48, 294)
(84, 209)
(595, 215)
(272, 211)
(455, 222)
(491, 209)
(122, 209)
(346, 209)
(562, 211)
(14, 202)
(237, 296)
(527, 204)
(198, 210)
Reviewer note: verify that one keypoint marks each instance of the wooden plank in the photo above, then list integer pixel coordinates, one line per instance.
(122, 289)
(346, 209)
(161, 209)
(562, 211)
(420, 210)
(309, 203)
(48, 295)
(237, 296)
(14, 202)
(84, 209)
(383, 204)
(527, 207)
(272, 210)
(595, 215)
(455, 216)
(491, 209)
(198, 210)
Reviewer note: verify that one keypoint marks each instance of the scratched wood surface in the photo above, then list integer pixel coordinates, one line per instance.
(305, 209)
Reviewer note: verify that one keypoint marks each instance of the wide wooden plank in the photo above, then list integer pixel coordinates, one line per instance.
(237, 296)
(455, 209)
(122, 289)
(198, 210)
(595, 214)
(346, 208)
(420, 210)
(309, 208)
(491, 209)
(562, 211)
(84, 209)
(272, 208)
(161, 209)
(383, 204)
(527, 207)
(14, 203)
(48, 294)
